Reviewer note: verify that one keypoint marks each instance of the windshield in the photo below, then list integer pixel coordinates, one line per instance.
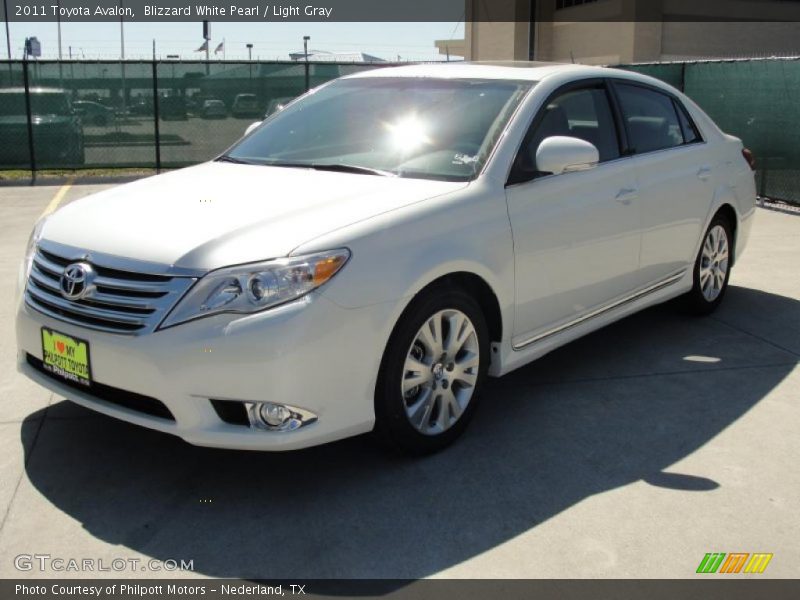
(408, 127)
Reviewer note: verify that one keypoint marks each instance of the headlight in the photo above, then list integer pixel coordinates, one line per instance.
(30, 250)
(256, 286)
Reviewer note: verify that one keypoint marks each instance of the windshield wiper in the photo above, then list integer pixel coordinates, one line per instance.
(352, 169)
(231, 159)
(342, 168)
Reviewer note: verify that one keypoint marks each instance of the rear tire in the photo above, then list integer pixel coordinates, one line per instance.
(712, 268)
(431, 373)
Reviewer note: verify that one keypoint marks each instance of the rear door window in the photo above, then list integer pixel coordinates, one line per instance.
(690, 133)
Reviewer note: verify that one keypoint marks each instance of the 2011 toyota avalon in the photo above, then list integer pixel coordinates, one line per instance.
(364, 258)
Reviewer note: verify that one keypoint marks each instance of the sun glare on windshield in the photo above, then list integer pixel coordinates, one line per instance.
(408, 133)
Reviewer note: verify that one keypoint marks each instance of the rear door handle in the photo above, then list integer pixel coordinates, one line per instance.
(704, 173)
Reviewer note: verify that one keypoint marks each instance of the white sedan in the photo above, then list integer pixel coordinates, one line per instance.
(364, 258)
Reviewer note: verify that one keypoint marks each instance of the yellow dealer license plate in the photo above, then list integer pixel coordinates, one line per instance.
(67, 357)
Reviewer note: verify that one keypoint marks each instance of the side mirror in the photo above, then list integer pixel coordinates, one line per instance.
(251, 127)
(562, 154)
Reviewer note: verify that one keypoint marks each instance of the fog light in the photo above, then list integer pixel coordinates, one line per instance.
(274, 415)
(271, 416)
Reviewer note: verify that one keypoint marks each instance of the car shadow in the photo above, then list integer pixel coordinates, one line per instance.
(619, 406)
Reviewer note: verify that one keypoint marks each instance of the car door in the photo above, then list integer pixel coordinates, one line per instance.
(577, 234)
(675, 176)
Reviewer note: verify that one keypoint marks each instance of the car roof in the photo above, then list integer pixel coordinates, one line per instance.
(513, 70)
(505, 70)
(534, 72)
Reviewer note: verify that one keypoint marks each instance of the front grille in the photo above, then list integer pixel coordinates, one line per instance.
(130, 400)
(122, 301)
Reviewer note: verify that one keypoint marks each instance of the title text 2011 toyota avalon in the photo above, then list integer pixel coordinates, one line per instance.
(365, 257)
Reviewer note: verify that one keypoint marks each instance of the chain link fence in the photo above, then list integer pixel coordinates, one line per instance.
(757, 100)
(168, 114)
(152, 115)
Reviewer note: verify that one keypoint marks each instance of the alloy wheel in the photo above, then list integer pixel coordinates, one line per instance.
(714, 263)
(440, 371)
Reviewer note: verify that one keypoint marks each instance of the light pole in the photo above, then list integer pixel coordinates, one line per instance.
(122, 54)
(121, 32)
(58, 20)
(207, 38)
(249, 51)
(305, 52)
(60, 65)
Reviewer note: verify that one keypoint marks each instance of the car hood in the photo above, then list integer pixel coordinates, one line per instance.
(219, 214)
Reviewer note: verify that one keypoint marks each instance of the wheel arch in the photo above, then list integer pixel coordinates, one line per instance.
(727, 211)
(724, 203)
(470, 282)
(476, 286)
(483, 294)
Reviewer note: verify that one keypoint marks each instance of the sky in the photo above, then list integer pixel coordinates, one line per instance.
(411, 41)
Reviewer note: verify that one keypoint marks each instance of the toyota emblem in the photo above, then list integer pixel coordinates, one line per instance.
(76, 280)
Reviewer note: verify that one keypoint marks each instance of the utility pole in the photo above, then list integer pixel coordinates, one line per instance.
(8, 35)
(250, 52)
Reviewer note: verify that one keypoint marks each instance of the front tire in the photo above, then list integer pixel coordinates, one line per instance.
(712, 268)
(431, 373)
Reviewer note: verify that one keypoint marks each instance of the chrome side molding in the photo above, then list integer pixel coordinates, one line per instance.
(674, 278)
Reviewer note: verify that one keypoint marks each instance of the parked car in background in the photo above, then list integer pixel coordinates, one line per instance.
(213, 109)
(364, 258)
(172, 107)
(57, 130)
(141, 107)
(276, 105)
(93, 113)
(245, 105)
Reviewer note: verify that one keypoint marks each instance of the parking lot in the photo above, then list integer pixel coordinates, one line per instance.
(183, 141)
(630, 453)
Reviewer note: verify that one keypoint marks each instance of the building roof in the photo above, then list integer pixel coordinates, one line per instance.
(325, 56)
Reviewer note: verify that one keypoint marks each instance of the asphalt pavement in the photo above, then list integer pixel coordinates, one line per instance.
(630, 453)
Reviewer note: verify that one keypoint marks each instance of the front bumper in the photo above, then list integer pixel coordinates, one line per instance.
(310, 353)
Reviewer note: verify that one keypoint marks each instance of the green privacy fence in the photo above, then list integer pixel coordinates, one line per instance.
(151, 114)
(756, 100)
